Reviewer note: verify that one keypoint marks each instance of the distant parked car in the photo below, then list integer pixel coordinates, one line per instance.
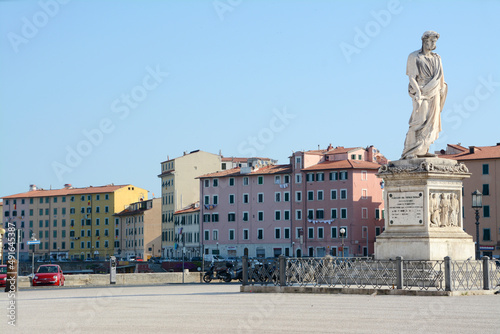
(48, 274)
(214, 258)
(196, 258)
(3, 275)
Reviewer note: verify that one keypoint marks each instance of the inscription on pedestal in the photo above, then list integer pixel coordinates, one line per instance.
(406, 208)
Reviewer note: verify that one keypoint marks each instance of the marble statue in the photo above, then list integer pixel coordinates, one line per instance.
(428, 92)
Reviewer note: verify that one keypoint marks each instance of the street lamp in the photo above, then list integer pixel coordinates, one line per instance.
(477, 203)
(342, 236)
(33, 238)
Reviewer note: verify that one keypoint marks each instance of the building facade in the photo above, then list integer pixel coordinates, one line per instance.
(483, 163)
(180, 188)
(139, 230)
(296, 209)
(339, 193)
(187, 232)
(242, 214)
(71, 223)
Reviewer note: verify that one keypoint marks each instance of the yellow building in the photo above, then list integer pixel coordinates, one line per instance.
(93, 230)
(74, 223)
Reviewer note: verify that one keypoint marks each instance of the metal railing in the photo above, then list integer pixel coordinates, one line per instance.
(442, 275)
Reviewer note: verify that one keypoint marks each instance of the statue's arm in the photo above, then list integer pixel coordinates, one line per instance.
(414, 84)
(412, 72)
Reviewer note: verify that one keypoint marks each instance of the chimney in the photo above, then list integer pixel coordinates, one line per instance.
(472, 149)
(33, 187)
(67, 186)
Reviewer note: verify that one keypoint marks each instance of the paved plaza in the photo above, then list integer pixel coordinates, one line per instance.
(221, 308)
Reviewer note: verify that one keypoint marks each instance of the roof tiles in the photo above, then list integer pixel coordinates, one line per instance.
(343, 164)
(66, 191)
(480, 153)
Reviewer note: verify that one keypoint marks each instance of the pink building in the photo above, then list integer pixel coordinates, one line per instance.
(297, 209)
(333, 190)
(246, 211)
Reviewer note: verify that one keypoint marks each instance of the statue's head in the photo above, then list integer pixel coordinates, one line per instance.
(429, 39)
(430, 33)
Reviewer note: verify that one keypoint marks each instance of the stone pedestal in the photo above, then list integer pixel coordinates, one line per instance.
(423, 211)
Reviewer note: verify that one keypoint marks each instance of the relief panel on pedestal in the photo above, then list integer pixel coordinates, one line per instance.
(444, 208)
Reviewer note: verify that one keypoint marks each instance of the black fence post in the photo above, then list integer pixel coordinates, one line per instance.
(244, 263)
(282, 270)
(447, 273)
(486, 273)
(399, 272)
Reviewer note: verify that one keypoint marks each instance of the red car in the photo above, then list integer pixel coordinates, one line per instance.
(3, 275)
(48, 274)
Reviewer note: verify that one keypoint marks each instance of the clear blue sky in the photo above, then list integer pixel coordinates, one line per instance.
(150, 79)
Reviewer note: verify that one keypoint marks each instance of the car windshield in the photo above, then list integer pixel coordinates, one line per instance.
(51, 269)
(3, 270)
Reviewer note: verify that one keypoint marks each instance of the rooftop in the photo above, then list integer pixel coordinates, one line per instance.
(67, 191)
(185, 153)
(272, 169)
(193, 207)
(474, 153)
(343, 164)
(342, 150)
(188, 210)
(236, 159)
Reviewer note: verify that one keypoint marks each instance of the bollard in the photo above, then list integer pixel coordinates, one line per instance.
(447, 273)
(486, 273)
(399, 272)
(112, 270)
(282, 271)
(244, 263)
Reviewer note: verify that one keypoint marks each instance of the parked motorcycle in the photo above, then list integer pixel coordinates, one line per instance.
(234, 273)
(212, 273)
